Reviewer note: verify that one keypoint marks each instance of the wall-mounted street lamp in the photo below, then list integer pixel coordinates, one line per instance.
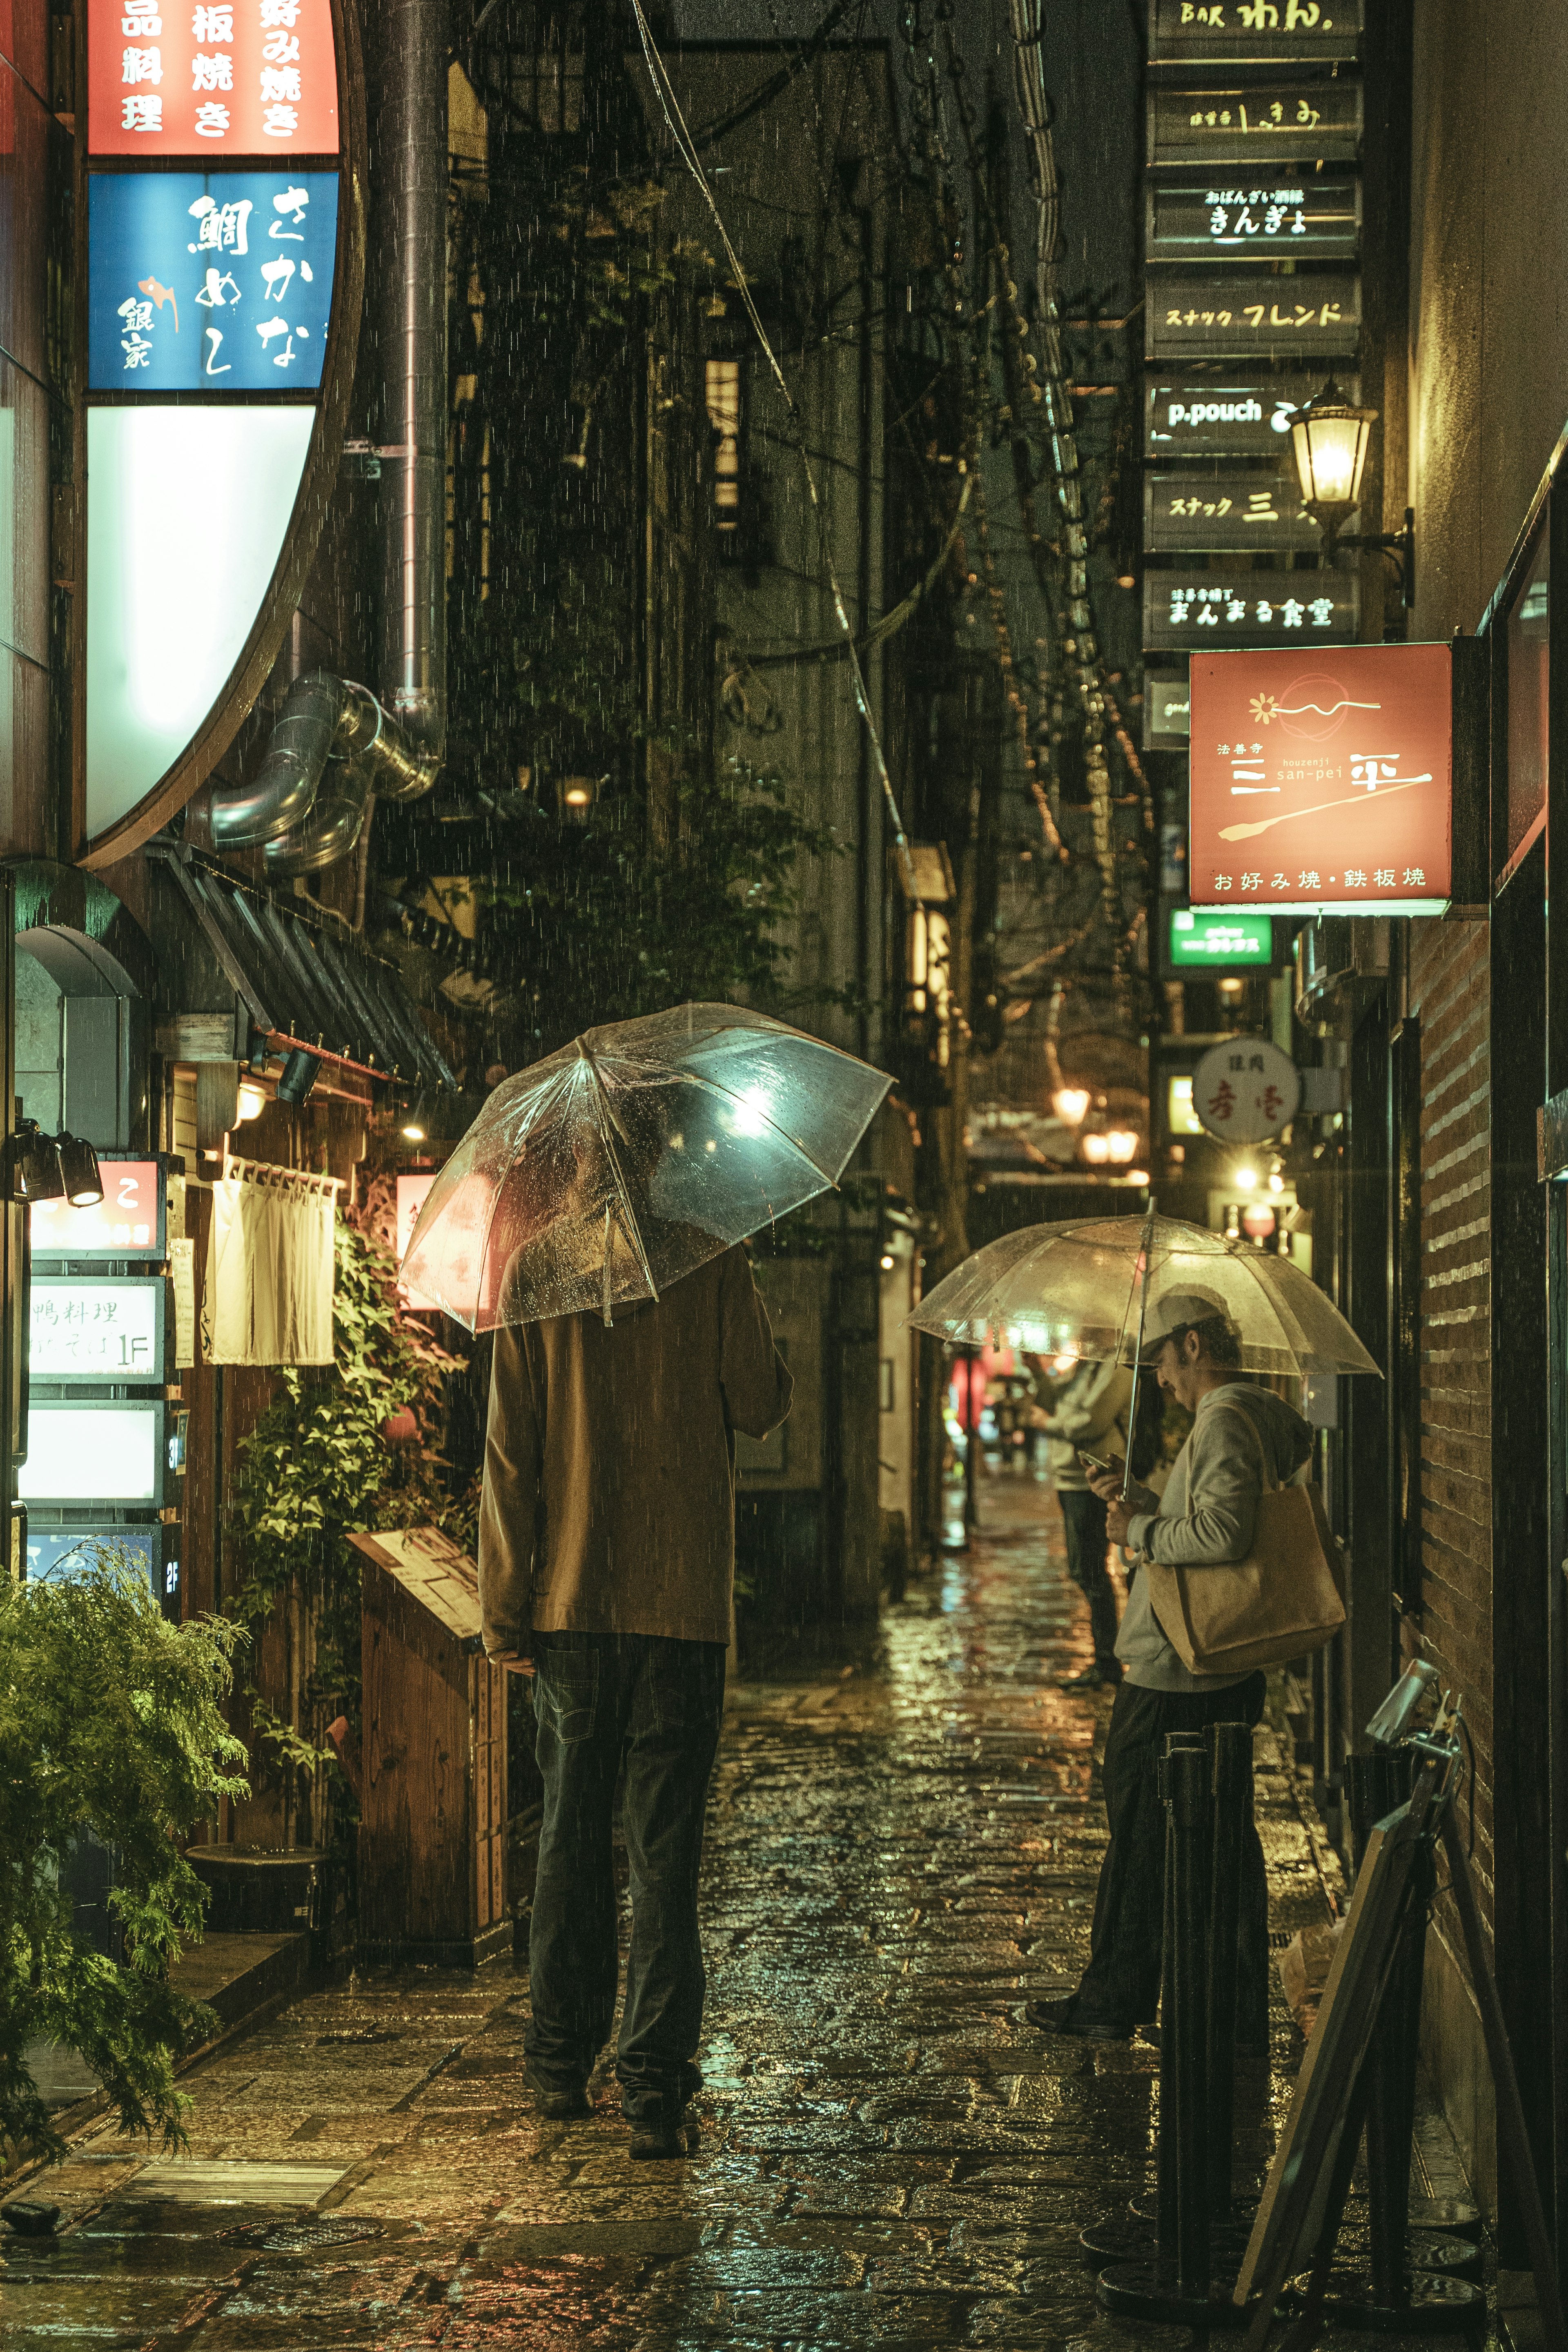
(1329, 441)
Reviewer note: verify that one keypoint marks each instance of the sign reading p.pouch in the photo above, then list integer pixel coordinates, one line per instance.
(1245, 1090)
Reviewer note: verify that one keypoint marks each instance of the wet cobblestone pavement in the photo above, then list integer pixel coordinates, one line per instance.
(899, 1854)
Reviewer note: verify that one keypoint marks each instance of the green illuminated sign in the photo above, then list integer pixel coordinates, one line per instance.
(1218, 942)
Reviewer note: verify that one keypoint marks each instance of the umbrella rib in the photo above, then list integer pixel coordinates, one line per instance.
(627, 1215)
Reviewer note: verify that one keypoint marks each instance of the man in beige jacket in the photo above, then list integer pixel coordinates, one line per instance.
(607, 1555)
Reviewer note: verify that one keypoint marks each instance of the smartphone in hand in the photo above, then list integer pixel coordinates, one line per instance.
(1112, 1463)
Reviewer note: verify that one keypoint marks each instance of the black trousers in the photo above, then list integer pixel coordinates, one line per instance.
(650, 1709)
(1084, 1517)
(1121, 1985)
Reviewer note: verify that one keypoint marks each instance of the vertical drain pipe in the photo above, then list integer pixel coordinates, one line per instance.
(412, 175)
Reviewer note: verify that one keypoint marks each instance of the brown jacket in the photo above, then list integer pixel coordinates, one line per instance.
(608, 1503)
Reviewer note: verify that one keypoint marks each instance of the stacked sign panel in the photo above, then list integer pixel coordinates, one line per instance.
(212, 236)
(1252, 300)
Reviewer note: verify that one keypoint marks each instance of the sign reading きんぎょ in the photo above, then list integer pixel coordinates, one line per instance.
(232, 77)
(1324, 780)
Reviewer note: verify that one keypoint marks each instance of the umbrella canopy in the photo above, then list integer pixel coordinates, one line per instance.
(611, 1169)
(1076, 1287)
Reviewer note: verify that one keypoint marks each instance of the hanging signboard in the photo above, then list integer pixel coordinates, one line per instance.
(1220, 219)
(129, 1222)
(1167, 699)
(86, 1330)
(1245, 1090)
(1208, 417)
(93, 1452)
(1323, 784)
(1277, 122)
(1256, 507)
(1228, 314)
(55, 1555)
(1195, 610)
(1240, 32)
(223, 324)
(1220, 942)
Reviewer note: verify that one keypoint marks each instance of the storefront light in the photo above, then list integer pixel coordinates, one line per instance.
(1070, 1105)
(1121, 1145)
(1329, 442)
(252, 1100)
(79, 1171)
(1094, 1149)
(1247, 1179)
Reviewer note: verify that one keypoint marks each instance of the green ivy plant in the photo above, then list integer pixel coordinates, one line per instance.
(110, 1726)
(317, 1469)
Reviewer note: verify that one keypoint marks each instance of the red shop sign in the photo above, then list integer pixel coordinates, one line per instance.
(226, 78)
(1323, 779)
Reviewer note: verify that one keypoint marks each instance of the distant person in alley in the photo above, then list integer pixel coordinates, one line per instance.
(1092, 1412)
(1242, 1436)
(607, 1557)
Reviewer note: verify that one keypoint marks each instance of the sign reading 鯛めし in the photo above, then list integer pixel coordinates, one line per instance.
(234, 76)
(1324, 783)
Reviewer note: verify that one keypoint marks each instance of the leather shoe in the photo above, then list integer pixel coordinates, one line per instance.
(558, 2105)
(656, 2136)
(1062, 2017)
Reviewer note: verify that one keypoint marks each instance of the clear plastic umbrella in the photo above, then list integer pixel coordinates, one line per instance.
(1091, 1288)
(611, 1169)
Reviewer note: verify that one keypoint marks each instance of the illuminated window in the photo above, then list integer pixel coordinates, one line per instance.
(723, 415)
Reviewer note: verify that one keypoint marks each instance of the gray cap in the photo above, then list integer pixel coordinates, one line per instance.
(1177, 1310)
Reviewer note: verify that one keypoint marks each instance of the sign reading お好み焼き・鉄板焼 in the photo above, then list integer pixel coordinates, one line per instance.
(228, 77)
(1323, 780)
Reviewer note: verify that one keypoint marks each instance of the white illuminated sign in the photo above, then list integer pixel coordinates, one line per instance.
(95, 1330)
(93, 1454)
(189, 510)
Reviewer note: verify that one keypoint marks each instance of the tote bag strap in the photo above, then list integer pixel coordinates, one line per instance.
(1271, 1483)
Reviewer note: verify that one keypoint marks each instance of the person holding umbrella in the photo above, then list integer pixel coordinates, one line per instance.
(1242, 1438)
(590, 1218)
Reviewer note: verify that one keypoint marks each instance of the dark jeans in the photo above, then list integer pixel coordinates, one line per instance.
(1121, 1985)
(604, 1702)
(1083, 1517)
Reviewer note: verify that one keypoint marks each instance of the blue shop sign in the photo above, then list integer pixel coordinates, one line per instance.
(57, 1555)
(210, 281)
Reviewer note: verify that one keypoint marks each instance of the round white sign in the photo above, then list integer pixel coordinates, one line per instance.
(1245, 1090)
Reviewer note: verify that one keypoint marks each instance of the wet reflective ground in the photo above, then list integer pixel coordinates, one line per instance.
(899, 1854)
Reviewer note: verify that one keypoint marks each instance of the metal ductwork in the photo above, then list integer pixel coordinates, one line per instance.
(335, 745)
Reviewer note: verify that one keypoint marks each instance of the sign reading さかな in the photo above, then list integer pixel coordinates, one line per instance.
(232, 77)
(1323, 783)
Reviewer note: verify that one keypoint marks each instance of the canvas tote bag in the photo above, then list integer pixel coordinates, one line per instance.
(1286, 1598)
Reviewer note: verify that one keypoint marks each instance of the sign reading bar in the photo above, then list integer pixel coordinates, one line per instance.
(219, 281)
(1220, 942)
(1213, 219)
(83, 1331)
(1193, 610)
(127, 1223)
(1280, 32)
(1204, 417)
(234, 76)
(1192, 318)
(1323, 784)
(1278, 122)
(1257, 509)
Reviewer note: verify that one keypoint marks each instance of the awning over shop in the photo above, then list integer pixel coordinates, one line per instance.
(304, 985)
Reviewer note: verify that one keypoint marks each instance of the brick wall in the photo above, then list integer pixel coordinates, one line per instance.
(1449, 990)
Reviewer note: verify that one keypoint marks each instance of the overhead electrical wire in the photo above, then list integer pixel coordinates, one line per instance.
(670, 105)
(710, 133)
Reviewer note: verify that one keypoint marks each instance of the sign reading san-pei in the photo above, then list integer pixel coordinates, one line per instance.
(1254, 32)
(1324, 780)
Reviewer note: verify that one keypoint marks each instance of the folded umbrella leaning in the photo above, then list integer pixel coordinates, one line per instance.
(631, 1157)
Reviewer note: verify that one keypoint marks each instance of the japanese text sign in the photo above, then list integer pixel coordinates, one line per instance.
(1322, 783)
(217, 281)
(127, 1223)
(1256, 507)
(1189, 317)
(1202, 416)
(1298, 122)
(1245, 1090)
(231, 77)
(1260, 32)
(1220, 942)
(1219, 219)
(111, 1330)
(1195, 609)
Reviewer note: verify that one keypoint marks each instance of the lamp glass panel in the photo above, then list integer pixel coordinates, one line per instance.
(189, 510)
(1329, 453)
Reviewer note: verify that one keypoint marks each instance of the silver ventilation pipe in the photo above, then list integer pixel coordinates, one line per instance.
(335, 744)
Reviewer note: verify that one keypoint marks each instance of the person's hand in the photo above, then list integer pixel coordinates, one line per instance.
(1119, 1515)
(514, 1662)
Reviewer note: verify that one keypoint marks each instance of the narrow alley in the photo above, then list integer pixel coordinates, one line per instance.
(899, 1852)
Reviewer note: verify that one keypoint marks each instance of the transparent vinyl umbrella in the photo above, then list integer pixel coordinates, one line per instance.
(1091, 1288)
(612, 1168)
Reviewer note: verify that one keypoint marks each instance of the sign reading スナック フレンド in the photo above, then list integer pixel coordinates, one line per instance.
(232, 77)
(1278, 122)
(1221, 218)
(1250, 508)
(1205, 417)
(1190, 317)
(1245, 1090)
(1195, 610)
(1254, 32)
(1324, 783)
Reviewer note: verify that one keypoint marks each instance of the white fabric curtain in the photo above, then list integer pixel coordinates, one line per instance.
(269, 1274)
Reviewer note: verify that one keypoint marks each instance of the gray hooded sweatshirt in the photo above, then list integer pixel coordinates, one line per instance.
(1205, 1518)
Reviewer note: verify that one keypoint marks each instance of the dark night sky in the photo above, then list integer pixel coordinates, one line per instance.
(1093, 73)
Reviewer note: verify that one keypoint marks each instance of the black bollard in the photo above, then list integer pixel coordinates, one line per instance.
(1230, 1769)
(1186, 1771)
(1167, 2156)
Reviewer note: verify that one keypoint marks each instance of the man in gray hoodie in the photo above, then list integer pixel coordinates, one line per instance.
(1242, 1439)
